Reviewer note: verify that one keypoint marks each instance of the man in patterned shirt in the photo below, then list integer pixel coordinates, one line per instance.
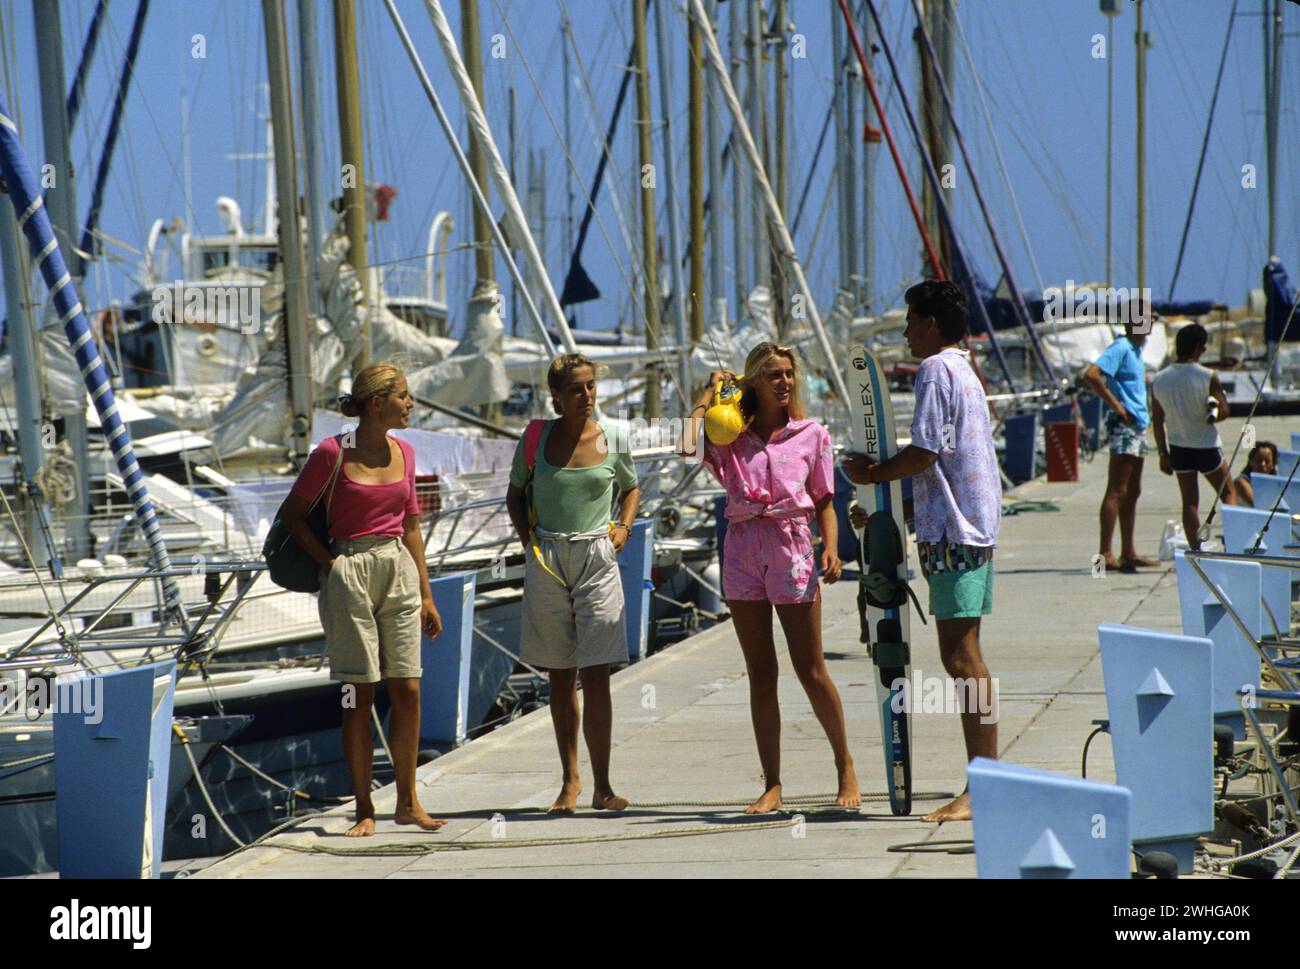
(957, 492)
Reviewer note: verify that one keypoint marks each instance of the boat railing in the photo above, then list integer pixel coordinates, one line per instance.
(73, 630)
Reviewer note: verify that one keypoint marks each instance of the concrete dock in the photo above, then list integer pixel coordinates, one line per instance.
(684, 751)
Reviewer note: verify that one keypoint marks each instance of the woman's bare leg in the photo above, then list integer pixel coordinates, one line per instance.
(597, 729)
(565, 717)
(753, 622)
(404, 741)
(802, 623)
(359, 753)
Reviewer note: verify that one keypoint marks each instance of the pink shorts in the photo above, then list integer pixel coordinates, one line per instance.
(770, 559)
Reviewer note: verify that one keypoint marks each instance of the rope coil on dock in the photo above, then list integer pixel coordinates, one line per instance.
(413, 850)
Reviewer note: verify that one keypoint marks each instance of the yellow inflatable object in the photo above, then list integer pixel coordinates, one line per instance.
(723, 422)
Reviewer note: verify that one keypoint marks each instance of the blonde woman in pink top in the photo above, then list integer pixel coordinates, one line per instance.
(779, 475)
(375, 599)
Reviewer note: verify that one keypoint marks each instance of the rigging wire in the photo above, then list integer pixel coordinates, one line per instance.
(1205, 144)
(617, 201)
(682, 392)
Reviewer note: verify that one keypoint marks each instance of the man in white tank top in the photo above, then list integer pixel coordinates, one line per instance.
(1187, 401)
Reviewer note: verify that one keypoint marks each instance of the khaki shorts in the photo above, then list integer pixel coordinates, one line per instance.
(573, 606)
(370, 609)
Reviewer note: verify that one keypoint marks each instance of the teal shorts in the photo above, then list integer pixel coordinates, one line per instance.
(961, 594)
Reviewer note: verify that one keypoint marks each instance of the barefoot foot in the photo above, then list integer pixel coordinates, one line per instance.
(850, 795)
(956, 810)
(364, 828)
(769, 802)
(567, 802)
(609, 801)
(417, 816)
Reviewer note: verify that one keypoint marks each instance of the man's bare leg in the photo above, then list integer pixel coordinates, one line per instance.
(404, 741)
(753, 622)
(1190, 492)
(959, 647)
(359, 753)
(565, 715)
(1116, 482)
(597, 729)
(1128, 513)
(1220, 480)
(802, 623)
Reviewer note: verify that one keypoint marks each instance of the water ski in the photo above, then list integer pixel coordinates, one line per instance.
(882, 588)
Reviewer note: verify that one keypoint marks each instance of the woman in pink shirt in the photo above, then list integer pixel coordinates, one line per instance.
(374, 599)
(778, 474)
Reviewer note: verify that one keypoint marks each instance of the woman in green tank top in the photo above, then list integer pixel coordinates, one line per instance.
(560, 499)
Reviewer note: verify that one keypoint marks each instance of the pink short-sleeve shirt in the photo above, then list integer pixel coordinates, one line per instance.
(360, 509)
(785, 477)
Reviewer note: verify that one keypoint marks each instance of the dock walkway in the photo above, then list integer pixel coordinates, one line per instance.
(684, 752)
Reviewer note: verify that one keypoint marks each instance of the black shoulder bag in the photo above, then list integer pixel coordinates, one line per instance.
(288, 562)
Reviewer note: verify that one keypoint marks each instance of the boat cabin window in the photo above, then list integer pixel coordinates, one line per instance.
(258, 258)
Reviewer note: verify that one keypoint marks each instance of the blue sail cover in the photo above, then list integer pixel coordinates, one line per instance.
(1003, 315)
(1279, 296)
(34, 222)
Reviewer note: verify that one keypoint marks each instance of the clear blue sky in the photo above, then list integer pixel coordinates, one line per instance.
(1046, 93)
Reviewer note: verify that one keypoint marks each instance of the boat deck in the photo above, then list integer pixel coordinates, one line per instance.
(684, 752)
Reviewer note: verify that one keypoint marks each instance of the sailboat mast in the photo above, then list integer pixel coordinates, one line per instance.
(717, 249)
(869, 152)
(734, 39)
(1141, 77)
(309, 97)
(22, 347)
(297, 348)
(780, 298)
(680, 294)
(763, 188)
(1111, 9)
(695, 122)
(841, 174)
(348, 80)
(757, 98)
(649, 237)
(1273, 64)
(484, 266)
(62, 203)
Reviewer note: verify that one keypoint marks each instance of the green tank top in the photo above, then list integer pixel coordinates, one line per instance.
(575, 500)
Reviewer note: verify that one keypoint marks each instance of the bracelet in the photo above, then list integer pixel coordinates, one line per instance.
(618, 525)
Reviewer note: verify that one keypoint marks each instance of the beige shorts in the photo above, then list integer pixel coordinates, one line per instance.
(573, 613)
(370, 609)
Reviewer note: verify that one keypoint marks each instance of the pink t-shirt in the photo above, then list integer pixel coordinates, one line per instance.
(782, 478)
(359, 509)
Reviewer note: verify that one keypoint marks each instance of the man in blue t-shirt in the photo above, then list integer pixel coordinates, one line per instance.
(1119, 377)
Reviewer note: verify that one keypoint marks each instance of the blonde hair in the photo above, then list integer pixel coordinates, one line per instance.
(755, 364)
(376, 380)
(559, 371)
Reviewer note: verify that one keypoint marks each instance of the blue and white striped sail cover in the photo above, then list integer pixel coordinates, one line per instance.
(35, 225)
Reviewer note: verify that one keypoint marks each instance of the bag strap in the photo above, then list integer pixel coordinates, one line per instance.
(532, 437)
(338, 466)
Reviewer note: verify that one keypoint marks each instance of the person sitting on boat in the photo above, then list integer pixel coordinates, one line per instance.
(1261, 460)
(957, 494)
(559, 501)
(1187, 400)
(375, 599)
(778, 475)
(1118, 377)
